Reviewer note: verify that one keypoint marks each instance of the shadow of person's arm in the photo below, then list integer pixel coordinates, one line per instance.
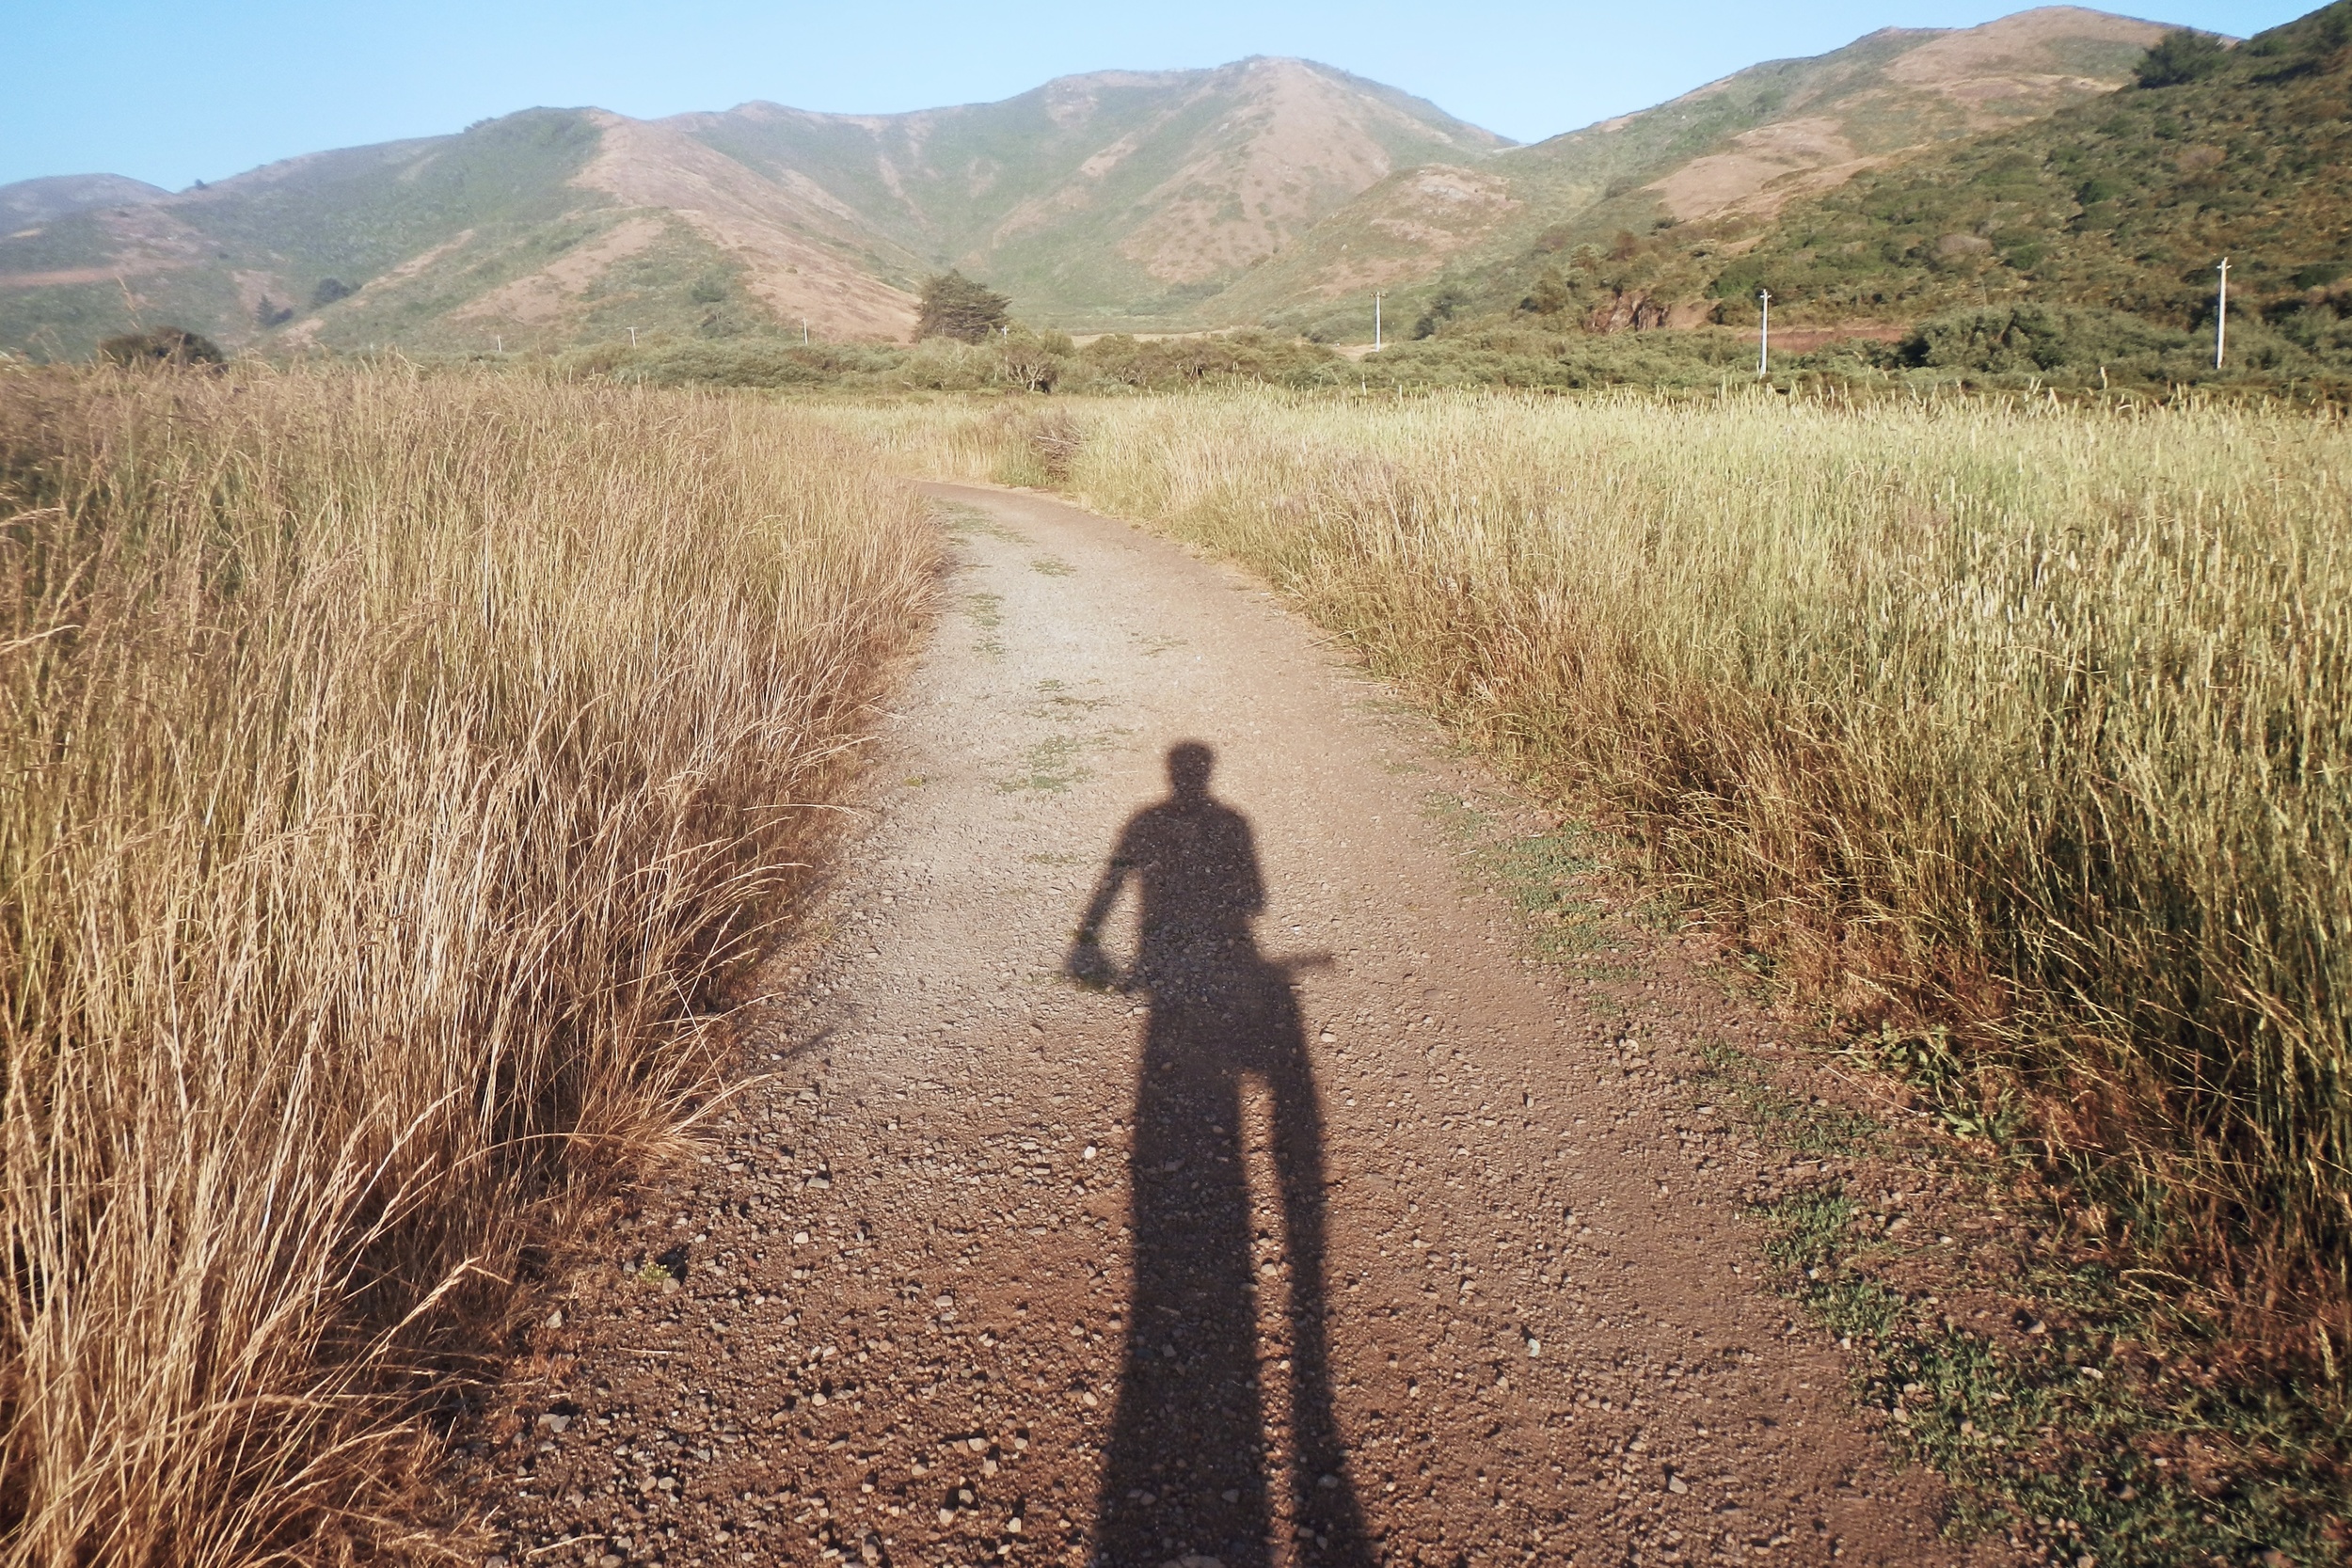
(1086, 963)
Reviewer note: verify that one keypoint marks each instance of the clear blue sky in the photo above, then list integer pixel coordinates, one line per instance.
(172, 91)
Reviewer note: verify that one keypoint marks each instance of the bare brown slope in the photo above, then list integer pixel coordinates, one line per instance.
(1980, 79)
(1297, 144)
(1402, 230)
(804, 254)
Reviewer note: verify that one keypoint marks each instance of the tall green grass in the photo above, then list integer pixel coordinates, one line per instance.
(396, 771)
(2031, 720)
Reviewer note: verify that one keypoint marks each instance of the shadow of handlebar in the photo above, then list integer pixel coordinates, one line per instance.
(1092, 969)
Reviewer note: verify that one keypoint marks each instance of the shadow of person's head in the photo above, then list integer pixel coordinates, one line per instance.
(1189, 765)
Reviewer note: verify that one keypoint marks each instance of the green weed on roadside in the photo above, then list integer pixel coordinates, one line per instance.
(2057, 1403)
(1813, 1127)
(1547, 877)
(1053, 766)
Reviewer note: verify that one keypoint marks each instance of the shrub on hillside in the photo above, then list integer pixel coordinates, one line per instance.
(2183, 55)
(1118, 362)
(739, 362)
(2036, 338)
(1035, 361)
(1507, 354)
(733, 364)
(2082, 346)
(945, 365)
(162, 345)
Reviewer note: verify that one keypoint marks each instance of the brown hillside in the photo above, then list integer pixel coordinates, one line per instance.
(1980, 79)
(804, 254)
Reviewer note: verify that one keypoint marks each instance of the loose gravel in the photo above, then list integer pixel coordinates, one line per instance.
(1317, 1221)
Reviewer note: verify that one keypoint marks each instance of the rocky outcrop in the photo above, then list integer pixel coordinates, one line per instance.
(1632, 311)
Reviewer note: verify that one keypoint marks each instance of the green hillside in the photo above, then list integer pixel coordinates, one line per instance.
(2125, 205)
(32, 202)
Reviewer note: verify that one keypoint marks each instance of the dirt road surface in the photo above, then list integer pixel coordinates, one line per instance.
(1300, 1217)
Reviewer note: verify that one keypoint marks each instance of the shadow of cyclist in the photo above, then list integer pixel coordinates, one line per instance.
(1192, 1458)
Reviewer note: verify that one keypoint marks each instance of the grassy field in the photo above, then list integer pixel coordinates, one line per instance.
(400, 770)
(2016, 734)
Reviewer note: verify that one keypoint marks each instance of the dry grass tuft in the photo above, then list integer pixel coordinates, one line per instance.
(397, 769)
(2030, 719)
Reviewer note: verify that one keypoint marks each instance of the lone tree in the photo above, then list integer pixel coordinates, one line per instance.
(2183, 55)
(955, 306)
(162, 345)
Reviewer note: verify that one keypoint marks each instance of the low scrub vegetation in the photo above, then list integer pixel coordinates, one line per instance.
(162, 345)
(2018, 347)
(1019, 361)
(399, 770)
(2023, 720)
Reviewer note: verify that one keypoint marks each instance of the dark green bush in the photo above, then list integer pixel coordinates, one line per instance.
(735, 363)
(2181, 56)
(2036, 338)
(162, 345)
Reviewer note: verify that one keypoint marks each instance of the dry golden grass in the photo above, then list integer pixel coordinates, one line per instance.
(2033, 721)
(396, 768)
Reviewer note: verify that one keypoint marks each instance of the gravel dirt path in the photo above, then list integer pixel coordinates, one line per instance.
(1306, 1217)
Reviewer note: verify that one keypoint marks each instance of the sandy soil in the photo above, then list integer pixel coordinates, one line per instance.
(1303, 1218)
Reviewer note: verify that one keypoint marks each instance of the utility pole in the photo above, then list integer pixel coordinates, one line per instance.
(1375, 321)
(632, 337)
(804, 332)
(500, 338)
(2221, 315)
(1764, 338)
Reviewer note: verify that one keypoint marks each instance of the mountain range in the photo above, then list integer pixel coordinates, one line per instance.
(1270, 190)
